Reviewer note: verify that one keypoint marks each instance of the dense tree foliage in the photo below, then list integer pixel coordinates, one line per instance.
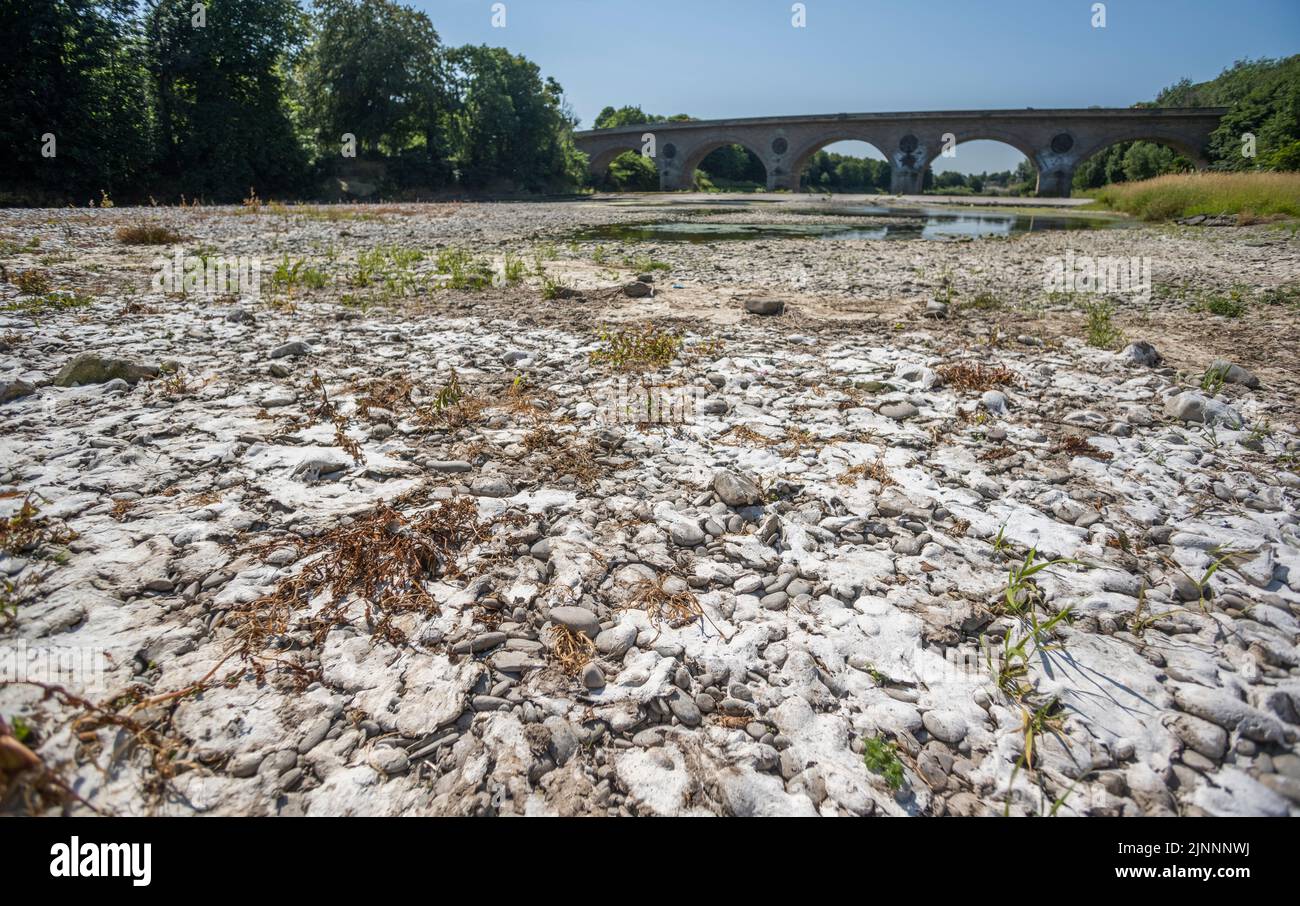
(219, 95)
(510, 124)
(611, 118)
(74, 101)
(830, 172)
(164, 98)
(1264, 97)
(375, 70)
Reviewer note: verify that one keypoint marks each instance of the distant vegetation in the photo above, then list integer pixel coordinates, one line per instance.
(111, 98)
(1265, 99)
(1248, 195)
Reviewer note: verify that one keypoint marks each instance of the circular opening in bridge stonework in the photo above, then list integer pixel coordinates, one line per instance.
(909, 143)
(780, 145)
(1062, 143)
(670, 151)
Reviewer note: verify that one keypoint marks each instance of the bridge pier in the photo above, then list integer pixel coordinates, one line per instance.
(905, 180)
(1055, 183)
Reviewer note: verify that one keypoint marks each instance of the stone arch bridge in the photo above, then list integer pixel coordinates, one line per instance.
(1055, 141)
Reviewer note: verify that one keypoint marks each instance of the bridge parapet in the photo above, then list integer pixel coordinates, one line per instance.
(1055, 141)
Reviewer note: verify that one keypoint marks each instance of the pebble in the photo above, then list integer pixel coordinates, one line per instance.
(899, 411)
(577, 619)
(292, 349)
(765, 306)
(735, 489)
(592, 677)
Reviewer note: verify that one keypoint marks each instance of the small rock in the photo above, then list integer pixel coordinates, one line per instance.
(765, 306)
(637, 290)
(490, 703)
(615, 641)
(12, 390)
(1201, 736)
(1190, 406)
(1235, 374)
(291, 350)
(899, 411)
(592, 678)
(577, 619)
(448, 465)
(244, 765)
(994, 401)
(945, 726)
(685, 533)
(735, 489)
(390, 760)
(492, 486)
(684, 709)
(1141, 353)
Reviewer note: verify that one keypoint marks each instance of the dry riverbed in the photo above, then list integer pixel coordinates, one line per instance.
(572, 542)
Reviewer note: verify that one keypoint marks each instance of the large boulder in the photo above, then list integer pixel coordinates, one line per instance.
(91, 368)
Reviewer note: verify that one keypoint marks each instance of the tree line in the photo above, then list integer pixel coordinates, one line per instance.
(207, 100)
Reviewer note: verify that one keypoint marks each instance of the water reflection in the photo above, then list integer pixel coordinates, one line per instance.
(885, 223)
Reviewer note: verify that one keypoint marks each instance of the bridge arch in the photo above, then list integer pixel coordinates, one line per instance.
(984, 134)
(598, 164)
(1021, 146)
(962, 136)
(803, 154)
(1181, 145)
(693, 156)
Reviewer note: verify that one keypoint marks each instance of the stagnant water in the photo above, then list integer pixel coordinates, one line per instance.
(912, 223)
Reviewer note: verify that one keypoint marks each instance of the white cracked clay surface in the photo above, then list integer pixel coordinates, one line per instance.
(790, 597)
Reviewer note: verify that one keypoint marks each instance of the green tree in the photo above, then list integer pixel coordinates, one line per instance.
(510, 125)
(375, 70)
(734, 165)
(1265, 99)
(223, 119)
(611, 118)
(72, 69)
(632, 172)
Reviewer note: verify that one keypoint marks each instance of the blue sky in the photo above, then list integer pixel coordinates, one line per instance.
(724, 58)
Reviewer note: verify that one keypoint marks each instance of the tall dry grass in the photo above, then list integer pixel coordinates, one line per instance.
(1189, 194)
